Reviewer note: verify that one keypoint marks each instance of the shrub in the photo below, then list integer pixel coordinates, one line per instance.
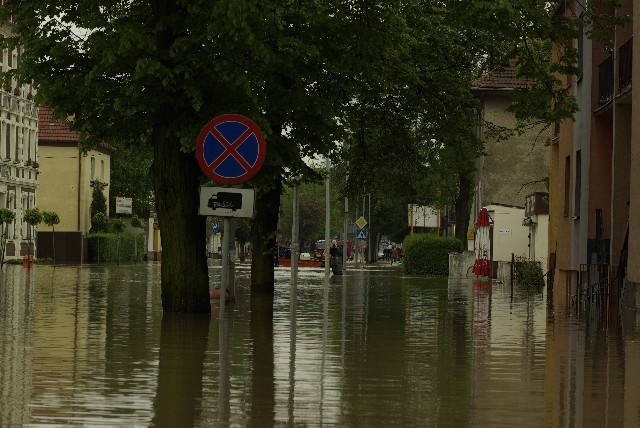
(99, 223)
(528, 273)
(35, 261)
(103, 248)
(428, 254)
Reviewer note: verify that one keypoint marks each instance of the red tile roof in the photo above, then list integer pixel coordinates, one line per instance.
(52, 131)
(501, 79)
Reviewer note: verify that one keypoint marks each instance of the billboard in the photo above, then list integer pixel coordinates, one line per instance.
(423, 216)
(123, 205)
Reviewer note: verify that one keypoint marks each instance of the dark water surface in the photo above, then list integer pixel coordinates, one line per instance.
(90, 346)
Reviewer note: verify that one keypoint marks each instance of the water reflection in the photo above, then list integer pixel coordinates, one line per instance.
(183, 345)
(90, 346)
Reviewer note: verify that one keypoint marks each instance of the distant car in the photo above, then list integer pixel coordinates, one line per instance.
(284, 252)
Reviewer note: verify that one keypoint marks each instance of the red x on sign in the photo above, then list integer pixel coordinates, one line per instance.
(230, 149)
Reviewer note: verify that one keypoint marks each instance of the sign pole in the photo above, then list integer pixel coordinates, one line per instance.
(327, 223)
(224, 279)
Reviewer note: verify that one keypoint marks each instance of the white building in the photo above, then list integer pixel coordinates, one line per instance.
(18, 155)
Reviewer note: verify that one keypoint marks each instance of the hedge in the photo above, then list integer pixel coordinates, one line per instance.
(103, 248)
(428, 254)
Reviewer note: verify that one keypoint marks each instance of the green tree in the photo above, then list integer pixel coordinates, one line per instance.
(99, 223)
(98, 203)
(33, 217)
(131, 177)
(51, 218)
(136, 223)
(118, 227)
(6, 217)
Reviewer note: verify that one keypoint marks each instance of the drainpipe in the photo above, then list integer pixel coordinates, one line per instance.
(79, 182)
(614, 145)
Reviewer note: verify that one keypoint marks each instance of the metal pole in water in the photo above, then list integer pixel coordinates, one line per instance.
(327, 221)
(294, 236)
(224, 277)
(344, 239)
(513, 265)
(369, 252)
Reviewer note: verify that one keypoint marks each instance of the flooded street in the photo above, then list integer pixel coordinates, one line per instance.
(89, 346)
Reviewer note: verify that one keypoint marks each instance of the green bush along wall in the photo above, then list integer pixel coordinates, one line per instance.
(428, 254)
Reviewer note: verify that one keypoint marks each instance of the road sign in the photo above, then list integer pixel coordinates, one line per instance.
(227, 202)
(215, 228)
(230, 149)
(361, 234)
(361, 222)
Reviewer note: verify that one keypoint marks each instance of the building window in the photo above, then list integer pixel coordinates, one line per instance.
(625, 66)
(8, 138)
(578, 184)
(93, 168)
(102, 170)
(567, 187)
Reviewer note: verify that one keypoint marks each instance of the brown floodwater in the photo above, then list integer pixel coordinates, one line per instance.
(90, 346)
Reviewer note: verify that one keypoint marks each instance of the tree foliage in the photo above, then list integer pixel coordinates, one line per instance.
(98, 200)
(131, 177)
(99, 223)
(51, 218)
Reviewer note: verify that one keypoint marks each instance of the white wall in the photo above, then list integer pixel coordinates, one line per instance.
(509, 235)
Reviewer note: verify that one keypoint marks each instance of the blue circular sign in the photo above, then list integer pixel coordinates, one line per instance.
(230, 149)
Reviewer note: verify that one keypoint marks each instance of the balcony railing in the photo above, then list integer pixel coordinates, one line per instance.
(625, 61)
(605, 93)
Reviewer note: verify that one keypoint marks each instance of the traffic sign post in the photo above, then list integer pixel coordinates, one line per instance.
(230, 150)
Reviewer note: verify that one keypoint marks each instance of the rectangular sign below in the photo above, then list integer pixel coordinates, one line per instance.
(227, 202)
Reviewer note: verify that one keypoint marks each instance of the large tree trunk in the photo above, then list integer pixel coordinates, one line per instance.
(263, 238)
(462, 207)
(176, 177)
(185, 278)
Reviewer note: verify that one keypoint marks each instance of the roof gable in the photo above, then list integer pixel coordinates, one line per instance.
(50, 130)
(504, 78)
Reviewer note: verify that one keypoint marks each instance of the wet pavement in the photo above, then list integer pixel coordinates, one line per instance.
(89, 346)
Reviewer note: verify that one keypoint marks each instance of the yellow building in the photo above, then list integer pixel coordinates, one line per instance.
(65, 183)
